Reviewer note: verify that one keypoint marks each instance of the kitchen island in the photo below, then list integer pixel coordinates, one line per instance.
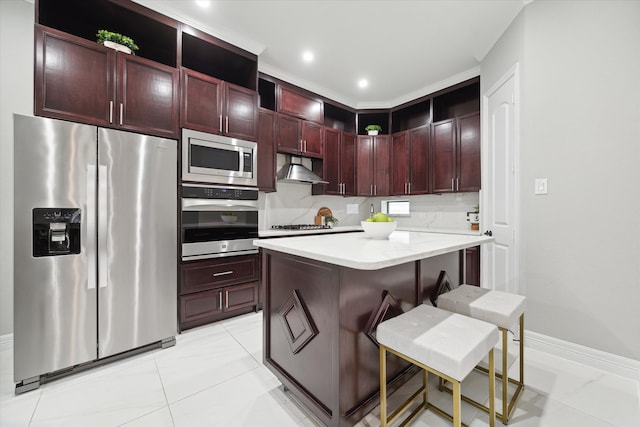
(323, 297)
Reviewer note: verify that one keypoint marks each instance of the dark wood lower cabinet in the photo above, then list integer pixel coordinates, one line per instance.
(472, 262)
(212, 290)
(319, 328)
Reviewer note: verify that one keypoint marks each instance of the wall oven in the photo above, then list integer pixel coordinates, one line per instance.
(218, 159)
(218, 221)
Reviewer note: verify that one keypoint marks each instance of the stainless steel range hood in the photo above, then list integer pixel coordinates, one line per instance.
(294, 171)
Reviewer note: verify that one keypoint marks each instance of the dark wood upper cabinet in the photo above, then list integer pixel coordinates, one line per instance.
(67, 68)
(469, 177)
(410, 162)
(400, 160)
(127, 91)
(301, 137)
(212, 105)
(201, 101)
(348, 164)
(296, 104)
(241, 108)
(419, 160)
(147, 96)
(455, 151)
(266, 150)
(443, 152)
(339, 165)
(373, 155)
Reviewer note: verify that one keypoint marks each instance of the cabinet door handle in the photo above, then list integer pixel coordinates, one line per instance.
(226, 299)
(457, 184)
(226, 121)
(371, 189)
(222, 273)
(110, 111)
(121, 114)
(300, 143)
(305, 145)
(220, 127)
(452, 188)
(409, 188)
(375, 189)
(220, 300)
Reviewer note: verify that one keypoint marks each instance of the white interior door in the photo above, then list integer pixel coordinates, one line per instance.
(500, 178)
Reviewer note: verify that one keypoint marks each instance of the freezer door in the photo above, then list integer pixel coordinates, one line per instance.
(137, 240)
(54, 291)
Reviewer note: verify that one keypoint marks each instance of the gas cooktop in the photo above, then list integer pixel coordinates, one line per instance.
(300, 227)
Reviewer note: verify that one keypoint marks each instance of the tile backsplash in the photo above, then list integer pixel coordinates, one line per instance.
(294, 204)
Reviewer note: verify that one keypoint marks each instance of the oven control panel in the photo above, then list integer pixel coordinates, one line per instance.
(223, 193)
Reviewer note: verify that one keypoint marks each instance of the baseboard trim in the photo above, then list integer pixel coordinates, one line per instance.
(607, 362)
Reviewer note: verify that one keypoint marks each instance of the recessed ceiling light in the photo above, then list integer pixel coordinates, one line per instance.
(203, 3)
(362, 83)
(307, 56)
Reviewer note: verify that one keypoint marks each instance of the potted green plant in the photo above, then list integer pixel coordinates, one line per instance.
(330, 220)
(373, 129)
(474, 217)
(117, 41)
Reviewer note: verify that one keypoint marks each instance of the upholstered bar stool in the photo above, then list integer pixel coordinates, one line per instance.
(446, 344)
(503, 310)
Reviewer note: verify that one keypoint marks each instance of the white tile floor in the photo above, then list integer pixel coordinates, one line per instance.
(214, 377)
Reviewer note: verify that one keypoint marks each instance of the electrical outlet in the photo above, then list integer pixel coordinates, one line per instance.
(541, 186)
(352, 209)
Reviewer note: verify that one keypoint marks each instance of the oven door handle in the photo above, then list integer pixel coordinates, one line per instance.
(208, 205)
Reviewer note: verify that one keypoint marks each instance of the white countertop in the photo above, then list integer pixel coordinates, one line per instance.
(266, 233)
(356, 250)
(280, 233)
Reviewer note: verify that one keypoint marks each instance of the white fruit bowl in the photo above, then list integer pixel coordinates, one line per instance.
(378, 230)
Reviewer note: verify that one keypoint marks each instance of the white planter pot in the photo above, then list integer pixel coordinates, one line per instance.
(117, 46)
(372, 132)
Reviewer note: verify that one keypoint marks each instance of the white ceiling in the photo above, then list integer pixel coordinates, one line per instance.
(405, 49)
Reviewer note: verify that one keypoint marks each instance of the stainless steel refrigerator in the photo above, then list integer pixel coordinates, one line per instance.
(95, 245)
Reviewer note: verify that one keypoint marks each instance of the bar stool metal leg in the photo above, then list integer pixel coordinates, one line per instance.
(383, 387)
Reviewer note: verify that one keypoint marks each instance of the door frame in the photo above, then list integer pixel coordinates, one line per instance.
(486, 277)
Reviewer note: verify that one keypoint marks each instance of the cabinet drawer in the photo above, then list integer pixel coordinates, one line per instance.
(204, 275)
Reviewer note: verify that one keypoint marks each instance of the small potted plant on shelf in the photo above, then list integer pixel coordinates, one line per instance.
(373, 129)
(117, 41)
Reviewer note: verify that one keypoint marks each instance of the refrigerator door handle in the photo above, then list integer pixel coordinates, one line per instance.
(103, 196)
(90, 241)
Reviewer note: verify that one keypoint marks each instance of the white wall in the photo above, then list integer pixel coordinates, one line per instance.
(16, 87)
(580, 119)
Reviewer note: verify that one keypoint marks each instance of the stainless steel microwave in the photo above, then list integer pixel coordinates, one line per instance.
(218, 159)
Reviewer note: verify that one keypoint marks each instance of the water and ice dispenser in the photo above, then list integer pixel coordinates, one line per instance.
(56, 231)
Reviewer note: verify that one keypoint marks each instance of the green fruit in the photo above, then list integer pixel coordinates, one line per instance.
(389, 220)
(380, 217)
(368, 220)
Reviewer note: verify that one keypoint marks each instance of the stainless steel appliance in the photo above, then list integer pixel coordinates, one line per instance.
(296, 227)
(218, 221)
(95, 248)
(218, 159)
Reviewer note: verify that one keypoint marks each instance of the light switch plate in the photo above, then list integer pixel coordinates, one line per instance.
(352, 209)
(541, 186)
